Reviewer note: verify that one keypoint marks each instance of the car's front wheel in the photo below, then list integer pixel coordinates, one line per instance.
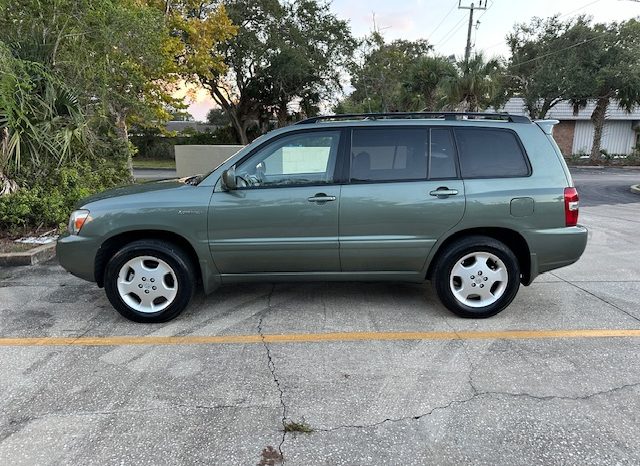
(477, 277)
(149, 281)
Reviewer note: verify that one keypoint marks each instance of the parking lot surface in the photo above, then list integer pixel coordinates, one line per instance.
(376, 373)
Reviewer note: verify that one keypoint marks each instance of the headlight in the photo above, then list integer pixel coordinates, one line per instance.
(77, 220)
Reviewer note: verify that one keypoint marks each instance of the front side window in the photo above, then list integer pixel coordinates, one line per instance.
(388, 154)
(298, 159)
(490, 153)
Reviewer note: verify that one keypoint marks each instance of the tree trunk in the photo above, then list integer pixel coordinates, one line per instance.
(7, 185)
(123, 133)
(597, 117)
(231, 111)
(283, 116)
(546, 106)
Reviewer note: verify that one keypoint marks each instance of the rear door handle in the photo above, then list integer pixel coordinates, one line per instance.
(443, 192)
(321, 198)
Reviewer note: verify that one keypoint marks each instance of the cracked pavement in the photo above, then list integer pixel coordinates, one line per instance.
(516, 402)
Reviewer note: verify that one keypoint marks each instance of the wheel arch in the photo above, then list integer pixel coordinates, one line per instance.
(113, 243)
(511, 238)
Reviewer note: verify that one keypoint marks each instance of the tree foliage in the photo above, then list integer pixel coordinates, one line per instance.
(40, 117)
(476, 85)
(547, 61)
(576, 61)
(74, 74)
(284, 55)
(406, 76)
(382, 76)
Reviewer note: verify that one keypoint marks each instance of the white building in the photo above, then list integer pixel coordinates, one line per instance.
(574, 134)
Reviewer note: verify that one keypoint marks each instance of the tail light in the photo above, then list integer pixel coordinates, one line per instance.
(571, 203)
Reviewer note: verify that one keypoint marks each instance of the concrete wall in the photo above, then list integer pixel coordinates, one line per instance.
(195, 160)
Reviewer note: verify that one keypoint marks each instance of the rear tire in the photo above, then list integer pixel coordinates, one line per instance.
(150, 281)
(476, 277)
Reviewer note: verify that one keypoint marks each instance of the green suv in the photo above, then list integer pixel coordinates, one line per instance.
(477, 203)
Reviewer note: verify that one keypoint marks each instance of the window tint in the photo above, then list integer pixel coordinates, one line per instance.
(388, 154)
(296, 159)
(442, 162)
(488, 153)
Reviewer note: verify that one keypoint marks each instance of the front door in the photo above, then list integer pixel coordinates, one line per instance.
(404, 193)
(283, 217)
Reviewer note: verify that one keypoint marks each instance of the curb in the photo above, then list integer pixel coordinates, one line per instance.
(635, 188)
(32, 257)
(602, 167)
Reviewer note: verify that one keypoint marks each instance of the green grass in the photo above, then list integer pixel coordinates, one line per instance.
(154, 163)
(297, 427)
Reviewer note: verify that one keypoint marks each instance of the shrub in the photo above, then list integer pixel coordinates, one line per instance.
(47, 200)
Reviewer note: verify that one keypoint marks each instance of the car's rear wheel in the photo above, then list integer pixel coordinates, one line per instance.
(150, 281)
(477, 277)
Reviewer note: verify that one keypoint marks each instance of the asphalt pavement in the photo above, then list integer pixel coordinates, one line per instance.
(553, 379)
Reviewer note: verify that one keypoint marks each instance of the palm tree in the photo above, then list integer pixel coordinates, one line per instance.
(474, 86)
(424, 78)
(41, 121)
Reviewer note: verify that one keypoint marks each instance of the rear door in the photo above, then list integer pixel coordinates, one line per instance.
(403, 193)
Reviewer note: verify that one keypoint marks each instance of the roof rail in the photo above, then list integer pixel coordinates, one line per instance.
(410, 115)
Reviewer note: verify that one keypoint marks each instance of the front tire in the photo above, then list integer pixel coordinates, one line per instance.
(150, 281)
(477, 277)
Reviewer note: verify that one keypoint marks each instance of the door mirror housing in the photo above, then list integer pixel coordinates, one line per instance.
(229, 179)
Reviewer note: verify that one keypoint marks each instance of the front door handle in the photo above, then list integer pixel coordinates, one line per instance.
(321, 198)
(443, 192)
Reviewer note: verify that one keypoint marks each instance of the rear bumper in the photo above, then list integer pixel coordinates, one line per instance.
(77, 255)
(555, 247)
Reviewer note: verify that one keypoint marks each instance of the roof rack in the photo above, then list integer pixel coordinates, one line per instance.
(453, 116)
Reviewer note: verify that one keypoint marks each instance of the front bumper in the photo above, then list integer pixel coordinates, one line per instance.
(77, 255)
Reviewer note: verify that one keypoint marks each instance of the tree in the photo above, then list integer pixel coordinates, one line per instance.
(123, 57)
(425, 80)
(217, 117)
(611, 73)
(475, 85)
(546, 61)
(41, 121)
(285, 55)
(381, 77)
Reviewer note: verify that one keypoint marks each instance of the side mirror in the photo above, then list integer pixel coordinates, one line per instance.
(229, 179)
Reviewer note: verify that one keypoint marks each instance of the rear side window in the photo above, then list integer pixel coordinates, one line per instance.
(388, 154)
(490, 153)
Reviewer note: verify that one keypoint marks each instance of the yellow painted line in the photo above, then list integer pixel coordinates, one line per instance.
(319, 337)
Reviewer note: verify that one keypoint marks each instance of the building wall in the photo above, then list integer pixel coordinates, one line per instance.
(618, 137)
(563, 133)
(195, 160)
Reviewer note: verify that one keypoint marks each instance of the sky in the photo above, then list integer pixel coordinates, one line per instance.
(445, 26)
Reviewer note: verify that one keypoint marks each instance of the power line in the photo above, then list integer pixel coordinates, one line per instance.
(578, 9)
(503, 41)
(442, 21)
(448, 35)
(557, 51)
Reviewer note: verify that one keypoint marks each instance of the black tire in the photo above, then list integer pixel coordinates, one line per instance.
(457, 251)
(172, 255)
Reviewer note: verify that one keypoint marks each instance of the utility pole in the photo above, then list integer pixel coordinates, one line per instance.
(482, 5)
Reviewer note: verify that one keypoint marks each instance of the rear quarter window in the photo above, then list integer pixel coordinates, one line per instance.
(490, 153)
